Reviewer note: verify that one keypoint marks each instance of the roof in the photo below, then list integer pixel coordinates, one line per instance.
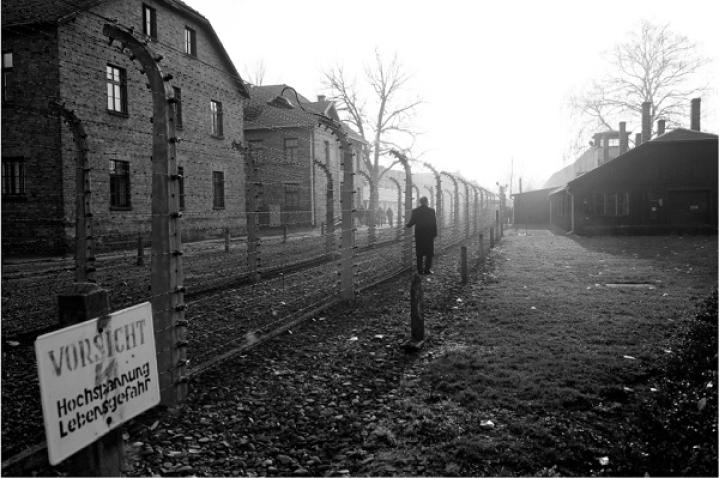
(27, 12)
(675, 136)
(683, 134)
(534, 191)
(260, 115)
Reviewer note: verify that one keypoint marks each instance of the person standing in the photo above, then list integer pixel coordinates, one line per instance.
(424, 220)
(389, 216)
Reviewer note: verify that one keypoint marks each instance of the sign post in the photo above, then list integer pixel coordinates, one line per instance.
(94, 376)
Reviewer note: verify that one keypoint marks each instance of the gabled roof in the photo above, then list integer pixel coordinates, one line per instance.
(675, 136)
(260, 115)
(28, 12)
(682, 134)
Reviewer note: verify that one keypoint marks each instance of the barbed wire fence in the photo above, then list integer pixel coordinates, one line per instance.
(239, 280)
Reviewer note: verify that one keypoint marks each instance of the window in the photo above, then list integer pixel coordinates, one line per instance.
(216, 113)
(611, 204)
(623, 204)
(116, 90)
(292, 196)
(7, 66)
(327, 153)
(190, 41)
(181, 187)
(218, 190)
(178, 107)
(599, 204)
(290, 149)
(257, 150)
(149, 22)
(13, 176)
(119, 184)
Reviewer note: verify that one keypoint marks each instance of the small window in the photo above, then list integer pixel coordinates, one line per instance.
(119, 184)
(149, 22)
(291, 145)
(292, 196)
(181, 187)
(216, 113)
(178, 107)
(218, 190)
(190, 41)
(13, 176)
(257, 150)
(611, 207)
(7, 66)
(116, 90)
(623, 204)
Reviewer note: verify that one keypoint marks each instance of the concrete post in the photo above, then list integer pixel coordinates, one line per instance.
(417, 309)
(168, 303)
(463, 264)
(140, 250)
(86, 301)
(347, 208)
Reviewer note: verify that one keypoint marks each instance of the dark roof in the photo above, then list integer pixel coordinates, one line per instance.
(27, 12)
(260, 115)
(534, 191)
(675, 136)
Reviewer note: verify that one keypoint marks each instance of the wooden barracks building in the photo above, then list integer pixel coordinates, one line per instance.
(667, 184)
(56, 52)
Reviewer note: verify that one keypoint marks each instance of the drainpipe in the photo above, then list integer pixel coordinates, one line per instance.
(312, 177)
(571, 202)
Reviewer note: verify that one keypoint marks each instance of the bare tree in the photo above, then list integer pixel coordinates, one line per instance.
(382, 116)
(256, 74)
(654, 65)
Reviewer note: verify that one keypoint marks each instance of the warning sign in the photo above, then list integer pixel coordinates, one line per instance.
(94, 376)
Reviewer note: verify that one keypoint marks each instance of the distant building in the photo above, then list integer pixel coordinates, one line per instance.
(56, 51)
(604, 147)
(285, 143)
(532, 207)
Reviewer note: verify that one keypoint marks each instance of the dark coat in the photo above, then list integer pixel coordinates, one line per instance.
(424, 221)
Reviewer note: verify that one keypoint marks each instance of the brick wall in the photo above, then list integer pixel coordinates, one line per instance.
(36, 219)
(82, 54)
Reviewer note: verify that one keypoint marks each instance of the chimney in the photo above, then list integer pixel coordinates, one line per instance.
(320, 98)
(623, 138)
(696, 114)
(605, 149)
(646, 121)
(661, 126)
(637, 139)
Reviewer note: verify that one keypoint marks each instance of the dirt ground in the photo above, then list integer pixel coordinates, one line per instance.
(537, 366)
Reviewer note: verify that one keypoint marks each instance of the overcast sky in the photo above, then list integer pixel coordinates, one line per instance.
(495, 77)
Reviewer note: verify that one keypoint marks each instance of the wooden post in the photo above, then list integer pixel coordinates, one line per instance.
(481, 246)
(140, 250)
(491, 237)
(227, 239)
(463, 264)
(417, 309)
(86, 301)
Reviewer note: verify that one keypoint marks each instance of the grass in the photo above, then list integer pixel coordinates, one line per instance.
(561, 363)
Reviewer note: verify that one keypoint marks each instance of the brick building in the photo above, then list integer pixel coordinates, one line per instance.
(285, 143)
(56, 51)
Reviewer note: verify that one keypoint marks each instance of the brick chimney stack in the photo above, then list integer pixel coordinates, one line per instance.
(661, 126)
(321, 98)
(646, 121)
(623, 138)
(696, 114)
(605, 149)
(637, 139)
